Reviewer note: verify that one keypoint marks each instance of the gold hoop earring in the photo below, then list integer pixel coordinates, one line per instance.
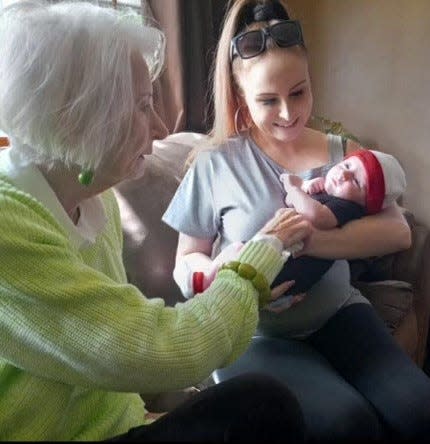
(237, 129)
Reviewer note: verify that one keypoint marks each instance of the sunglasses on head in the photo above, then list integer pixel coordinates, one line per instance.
(249, 44)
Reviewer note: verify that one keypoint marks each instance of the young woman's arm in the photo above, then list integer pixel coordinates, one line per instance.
(190, 246)
(193, 255)
(376, 235)
(195, 270)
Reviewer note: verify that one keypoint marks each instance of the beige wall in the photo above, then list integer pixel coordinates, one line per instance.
(370, 68)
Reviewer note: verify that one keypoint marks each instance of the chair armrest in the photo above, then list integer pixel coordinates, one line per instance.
(413, 266)
(409, 266)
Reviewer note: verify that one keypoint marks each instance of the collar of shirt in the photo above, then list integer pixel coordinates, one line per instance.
(29, 179)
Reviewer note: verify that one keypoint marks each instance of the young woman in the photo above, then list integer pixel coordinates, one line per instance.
(352, 379)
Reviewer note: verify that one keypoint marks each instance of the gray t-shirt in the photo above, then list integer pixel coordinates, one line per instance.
(229, 193)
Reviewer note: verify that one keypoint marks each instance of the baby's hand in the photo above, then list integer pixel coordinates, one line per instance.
(313, 186)
(284, 303)
(280, 303)
(290, 181)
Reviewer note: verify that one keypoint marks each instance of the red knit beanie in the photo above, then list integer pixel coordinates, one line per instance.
(385, 178)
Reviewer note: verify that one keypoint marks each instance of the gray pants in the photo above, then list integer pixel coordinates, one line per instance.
(351, 378)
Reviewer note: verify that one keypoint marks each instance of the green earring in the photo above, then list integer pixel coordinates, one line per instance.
(86, 177)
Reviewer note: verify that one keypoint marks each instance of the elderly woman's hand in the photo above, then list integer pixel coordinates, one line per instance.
(283, 302)
(288, 226)
(290, 181)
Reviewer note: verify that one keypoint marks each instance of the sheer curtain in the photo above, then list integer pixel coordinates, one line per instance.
(181, 94)
(192, 29)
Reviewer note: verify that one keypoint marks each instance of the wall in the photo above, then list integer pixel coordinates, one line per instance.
(370, 65)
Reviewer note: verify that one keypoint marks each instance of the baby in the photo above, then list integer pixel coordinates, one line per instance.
(363, 183)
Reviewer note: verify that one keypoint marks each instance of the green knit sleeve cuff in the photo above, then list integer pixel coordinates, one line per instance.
(263, 257)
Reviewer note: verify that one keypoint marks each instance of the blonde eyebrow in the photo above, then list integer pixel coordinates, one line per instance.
(272, 94)
(297, 84)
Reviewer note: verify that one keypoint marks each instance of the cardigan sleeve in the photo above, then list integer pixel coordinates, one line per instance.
(63, 320)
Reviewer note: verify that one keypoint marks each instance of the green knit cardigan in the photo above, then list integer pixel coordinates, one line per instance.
(78, 343)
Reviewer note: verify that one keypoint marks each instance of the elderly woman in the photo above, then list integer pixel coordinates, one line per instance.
(78, 342)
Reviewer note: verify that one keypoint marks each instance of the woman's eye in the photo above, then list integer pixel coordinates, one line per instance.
(297, 93)
(346, 166)
(268, 101)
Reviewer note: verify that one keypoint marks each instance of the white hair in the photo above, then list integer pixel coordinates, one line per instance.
(66, 91)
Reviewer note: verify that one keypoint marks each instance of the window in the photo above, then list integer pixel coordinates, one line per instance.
(6, 2)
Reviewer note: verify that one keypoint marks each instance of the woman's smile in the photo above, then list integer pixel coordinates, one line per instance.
(287, 125)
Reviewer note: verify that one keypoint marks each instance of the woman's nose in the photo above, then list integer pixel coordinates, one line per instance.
(285, 112)
(158, 128)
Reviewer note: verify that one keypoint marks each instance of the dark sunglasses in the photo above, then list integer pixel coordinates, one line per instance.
(249, 44)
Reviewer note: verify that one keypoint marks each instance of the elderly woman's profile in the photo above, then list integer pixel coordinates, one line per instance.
(78, 342)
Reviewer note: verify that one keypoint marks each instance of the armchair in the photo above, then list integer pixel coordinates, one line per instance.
(397, 284)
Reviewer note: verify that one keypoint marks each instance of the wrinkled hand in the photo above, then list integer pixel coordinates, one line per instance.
(288, 226)
(290, 181)
(308, 243)
(292, 196)
(280, 290)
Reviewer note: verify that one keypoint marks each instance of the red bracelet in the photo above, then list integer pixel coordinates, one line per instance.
(198, 277)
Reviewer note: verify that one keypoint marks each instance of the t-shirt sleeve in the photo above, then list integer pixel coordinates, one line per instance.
(193, 210)
(344, 210)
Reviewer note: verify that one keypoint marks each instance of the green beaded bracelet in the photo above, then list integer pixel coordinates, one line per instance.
(258, 280)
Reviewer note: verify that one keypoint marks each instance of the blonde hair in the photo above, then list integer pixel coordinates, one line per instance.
(66, 83)
(224, 73)
(225, 89)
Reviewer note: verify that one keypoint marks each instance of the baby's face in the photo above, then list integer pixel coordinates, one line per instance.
(348, 180)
